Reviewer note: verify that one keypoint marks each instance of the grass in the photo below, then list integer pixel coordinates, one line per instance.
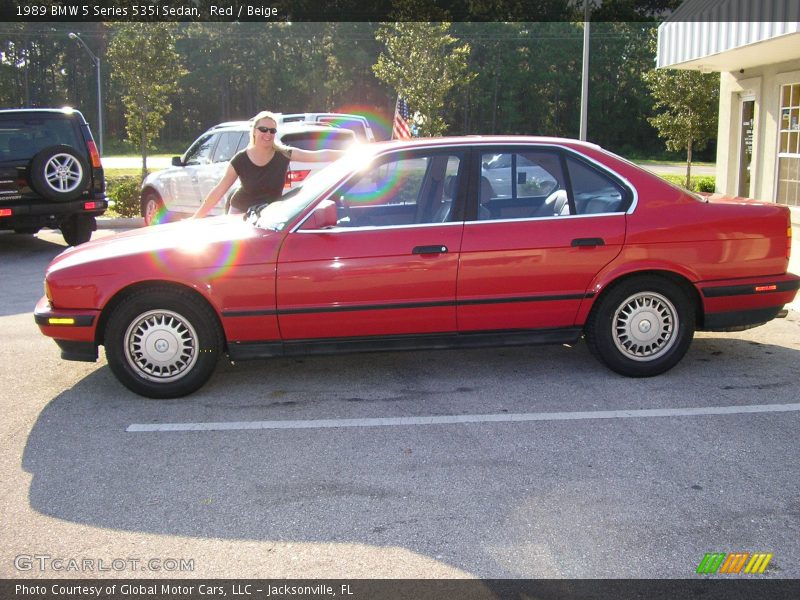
(673, 163)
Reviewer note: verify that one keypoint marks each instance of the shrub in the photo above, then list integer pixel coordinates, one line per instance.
(125, 195)
(704, 183)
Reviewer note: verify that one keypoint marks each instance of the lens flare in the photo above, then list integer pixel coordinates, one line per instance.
(211, 259)
(381, 124)
(383, 184)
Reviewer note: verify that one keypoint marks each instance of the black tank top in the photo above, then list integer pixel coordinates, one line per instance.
(259, 184)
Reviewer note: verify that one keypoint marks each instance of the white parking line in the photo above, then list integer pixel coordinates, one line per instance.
(462, 419)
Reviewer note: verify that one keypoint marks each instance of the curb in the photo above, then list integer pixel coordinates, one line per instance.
(131, 223)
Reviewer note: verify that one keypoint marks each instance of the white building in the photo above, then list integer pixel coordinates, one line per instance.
(755, 46)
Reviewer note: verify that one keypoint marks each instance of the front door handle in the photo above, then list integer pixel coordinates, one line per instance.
(440, 249)
(587, 242)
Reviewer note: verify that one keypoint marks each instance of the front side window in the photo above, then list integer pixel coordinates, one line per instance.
(401, 190)
(200, 152)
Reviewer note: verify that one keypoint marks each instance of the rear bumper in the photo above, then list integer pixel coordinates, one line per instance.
(73, 330)
(48, 214)
(739, 304)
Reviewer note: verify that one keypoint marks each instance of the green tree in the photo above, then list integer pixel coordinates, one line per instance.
(687, 103)
(422, 62)
(147, 68)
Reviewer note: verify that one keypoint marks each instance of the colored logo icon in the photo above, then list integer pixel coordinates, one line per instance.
(735, 562)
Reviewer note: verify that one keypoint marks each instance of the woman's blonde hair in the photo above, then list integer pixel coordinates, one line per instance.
(266, 114)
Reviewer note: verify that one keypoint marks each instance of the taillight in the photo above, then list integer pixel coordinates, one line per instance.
(6, 212)
(94, 155)
(295, 177)
(89, 205)
(789, 242)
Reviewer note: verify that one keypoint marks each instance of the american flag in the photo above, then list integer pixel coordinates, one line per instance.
(400, 128)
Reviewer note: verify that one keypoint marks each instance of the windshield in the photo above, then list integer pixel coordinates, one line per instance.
(277, 215)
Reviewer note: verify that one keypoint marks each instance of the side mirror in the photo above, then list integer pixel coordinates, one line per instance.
(176, 161)
(322, 217)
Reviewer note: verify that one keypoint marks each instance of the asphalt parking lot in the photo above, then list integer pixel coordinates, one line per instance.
(494, 463)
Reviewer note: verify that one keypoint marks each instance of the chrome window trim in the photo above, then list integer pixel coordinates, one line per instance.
(483, 143)
(381, 227)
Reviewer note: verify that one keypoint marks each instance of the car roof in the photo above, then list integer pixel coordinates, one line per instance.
(314, 115)
(482, 140)
(293, 127)
(42, 111)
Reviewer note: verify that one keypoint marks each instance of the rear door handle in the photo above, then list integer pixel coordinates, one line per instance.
(440, 249)
(587, 242)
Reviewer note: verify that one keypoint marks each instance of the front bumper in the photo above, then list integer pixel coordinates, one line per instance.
(73, 330)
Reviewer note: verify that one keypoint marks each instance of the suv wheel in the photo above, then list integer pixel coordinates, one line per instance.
(77, 229)
(59, 173)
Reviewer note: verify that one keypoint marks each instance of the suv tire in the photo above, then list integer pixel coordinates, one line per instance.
(59, 173)
(77, 229)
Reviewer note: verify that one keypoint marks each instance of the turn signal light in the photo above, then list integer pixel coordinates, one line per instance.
(61, 321)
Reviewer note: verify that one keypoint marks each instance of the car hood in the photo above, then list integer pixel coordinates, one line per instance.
(193, 243)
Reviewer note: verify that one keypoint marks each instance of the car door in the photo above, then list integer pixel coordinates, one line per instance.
(228, 144)
(533, 246)
(390, 265)
(184, 182)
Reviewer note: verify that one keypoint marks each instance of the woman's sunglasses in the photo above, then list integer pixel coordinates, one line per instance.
(263, 129)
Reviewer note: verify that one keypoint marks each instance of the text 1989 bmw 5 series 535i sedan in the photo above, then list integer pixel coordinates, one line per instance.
(404, 245)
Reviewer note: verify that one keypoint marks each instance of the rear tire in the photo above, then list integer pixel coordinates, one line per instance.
(641, 327)
(163, 343)
(77, 229)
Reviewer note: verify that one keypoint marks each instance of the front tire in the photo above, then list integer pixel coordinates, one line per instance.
(641, 327)
(163, 343)
(153, 209)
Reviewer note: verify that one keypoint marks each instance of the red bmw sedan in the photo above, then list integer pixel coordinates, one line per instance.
(448, 242)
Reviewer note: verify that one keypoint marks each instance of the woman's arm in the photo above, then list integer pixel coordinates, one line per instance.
(316, 155)
(216, 192)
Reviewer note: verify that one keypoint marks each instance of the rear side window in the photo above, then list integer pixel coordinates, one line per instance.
(227, 146)
(354, 125)
(319, 140)
(22, 138)
(595, 192)
(521, 185)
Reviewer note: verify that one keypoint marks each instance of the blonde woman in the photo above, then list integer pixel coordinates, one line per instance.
(261, 168)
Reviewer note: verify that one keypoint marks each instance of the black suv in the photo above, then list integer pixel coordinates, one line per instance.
(50, 173)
